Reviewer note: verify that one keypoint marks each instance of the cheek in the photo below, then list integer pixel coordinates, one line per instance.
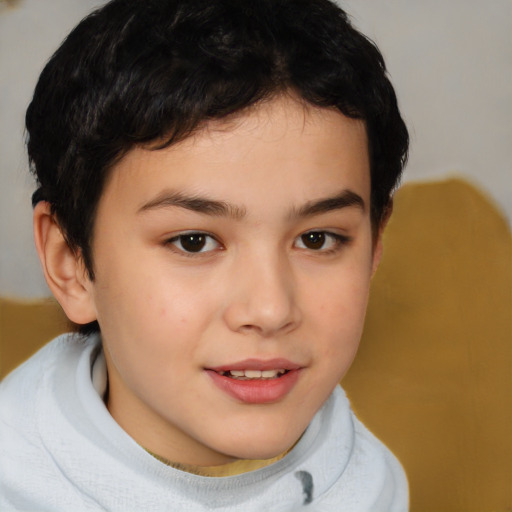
(150, 337)
(155, 316)
(339, 312)
(343, 298)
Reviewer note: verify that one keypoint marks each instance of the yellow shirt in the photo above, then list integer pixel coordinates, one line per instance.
(232, 468)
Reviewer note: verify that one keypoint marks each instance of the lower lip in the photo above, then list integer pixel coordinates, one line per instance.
(256, 391)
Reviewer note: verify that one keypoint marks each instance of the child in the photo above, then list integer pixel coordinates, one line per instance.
(213, 180)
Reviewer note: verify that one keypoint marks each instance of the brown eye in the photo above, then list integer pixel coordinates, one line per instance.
(324, 242)
(194, 242)
(313, 240)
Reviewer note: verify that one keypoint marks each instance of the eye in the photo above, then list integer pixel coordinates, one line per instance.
(321, 241)
(194, 242)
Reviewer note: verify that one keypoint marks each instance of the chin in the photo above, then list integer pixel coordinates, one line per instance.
(270, 444)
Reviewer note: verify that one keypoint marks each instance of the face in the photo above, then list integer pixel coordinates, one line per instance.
(231, 281)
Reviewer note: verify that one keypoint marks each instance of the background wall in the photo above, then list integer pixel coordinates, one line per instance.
(451, 64)
(30, 30)
(450, 61)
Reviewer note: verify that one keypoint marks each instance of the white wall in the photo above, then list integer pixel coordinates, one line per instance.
(451, 64)
(450, 61)
(29, 33)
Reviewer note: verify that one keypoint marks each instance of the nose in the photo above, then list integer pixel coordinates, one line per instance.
(263, 298)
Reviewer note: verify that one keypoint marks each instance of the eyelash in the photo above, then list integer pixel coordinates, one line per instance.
(179, 239)
(338, 242)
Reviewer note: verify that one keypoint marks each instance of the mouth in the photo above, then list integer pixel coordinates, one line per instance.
(256, 382)
(254, 374)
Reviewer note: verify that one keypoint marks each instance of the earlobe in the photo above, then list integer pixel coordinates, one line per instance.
(63, 268)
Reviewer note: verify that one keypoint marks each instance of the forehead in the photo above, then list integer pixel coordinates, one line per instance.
(282, 149)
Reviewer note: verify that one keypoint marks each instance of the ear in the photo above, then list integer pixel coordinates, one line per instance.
(63, 268)
(378, 247)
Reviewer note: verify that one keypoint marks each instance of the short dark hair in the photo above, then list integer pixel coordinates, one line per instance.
(135, 72)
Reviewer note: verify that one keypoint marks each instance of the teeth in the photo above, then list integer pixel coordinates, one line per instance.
(254, 374)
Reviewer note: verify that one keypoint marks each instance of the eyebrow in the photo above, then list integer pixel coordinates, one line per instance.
(344, 199)
(195, 204)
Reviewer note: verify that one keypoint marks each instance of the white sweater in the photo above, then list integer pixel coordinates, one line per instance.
(61, 450)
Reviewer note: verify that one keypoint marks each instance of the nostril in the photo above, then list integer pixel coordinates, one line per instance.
(262, 303)
(267, 329)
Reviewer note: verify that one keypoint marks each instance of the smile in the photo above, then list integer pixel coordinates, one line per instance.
(256, 382)
(253, 374)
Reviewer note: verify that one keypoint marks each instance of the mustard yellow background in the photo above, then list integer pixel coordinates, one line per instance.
(433, 377)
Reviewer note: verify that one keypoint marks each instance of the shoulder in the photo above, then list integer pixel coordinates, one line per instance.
(29, 404)
(22, 389)
(371, 477)
(381, 463)
(377, 464)
(23, 383)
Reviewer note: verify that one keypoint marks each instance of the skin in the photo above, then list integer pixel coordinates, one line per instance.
(257, 290)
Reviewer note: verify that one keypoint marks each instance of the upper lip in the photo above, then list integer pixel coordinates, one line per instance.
(258, 364)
